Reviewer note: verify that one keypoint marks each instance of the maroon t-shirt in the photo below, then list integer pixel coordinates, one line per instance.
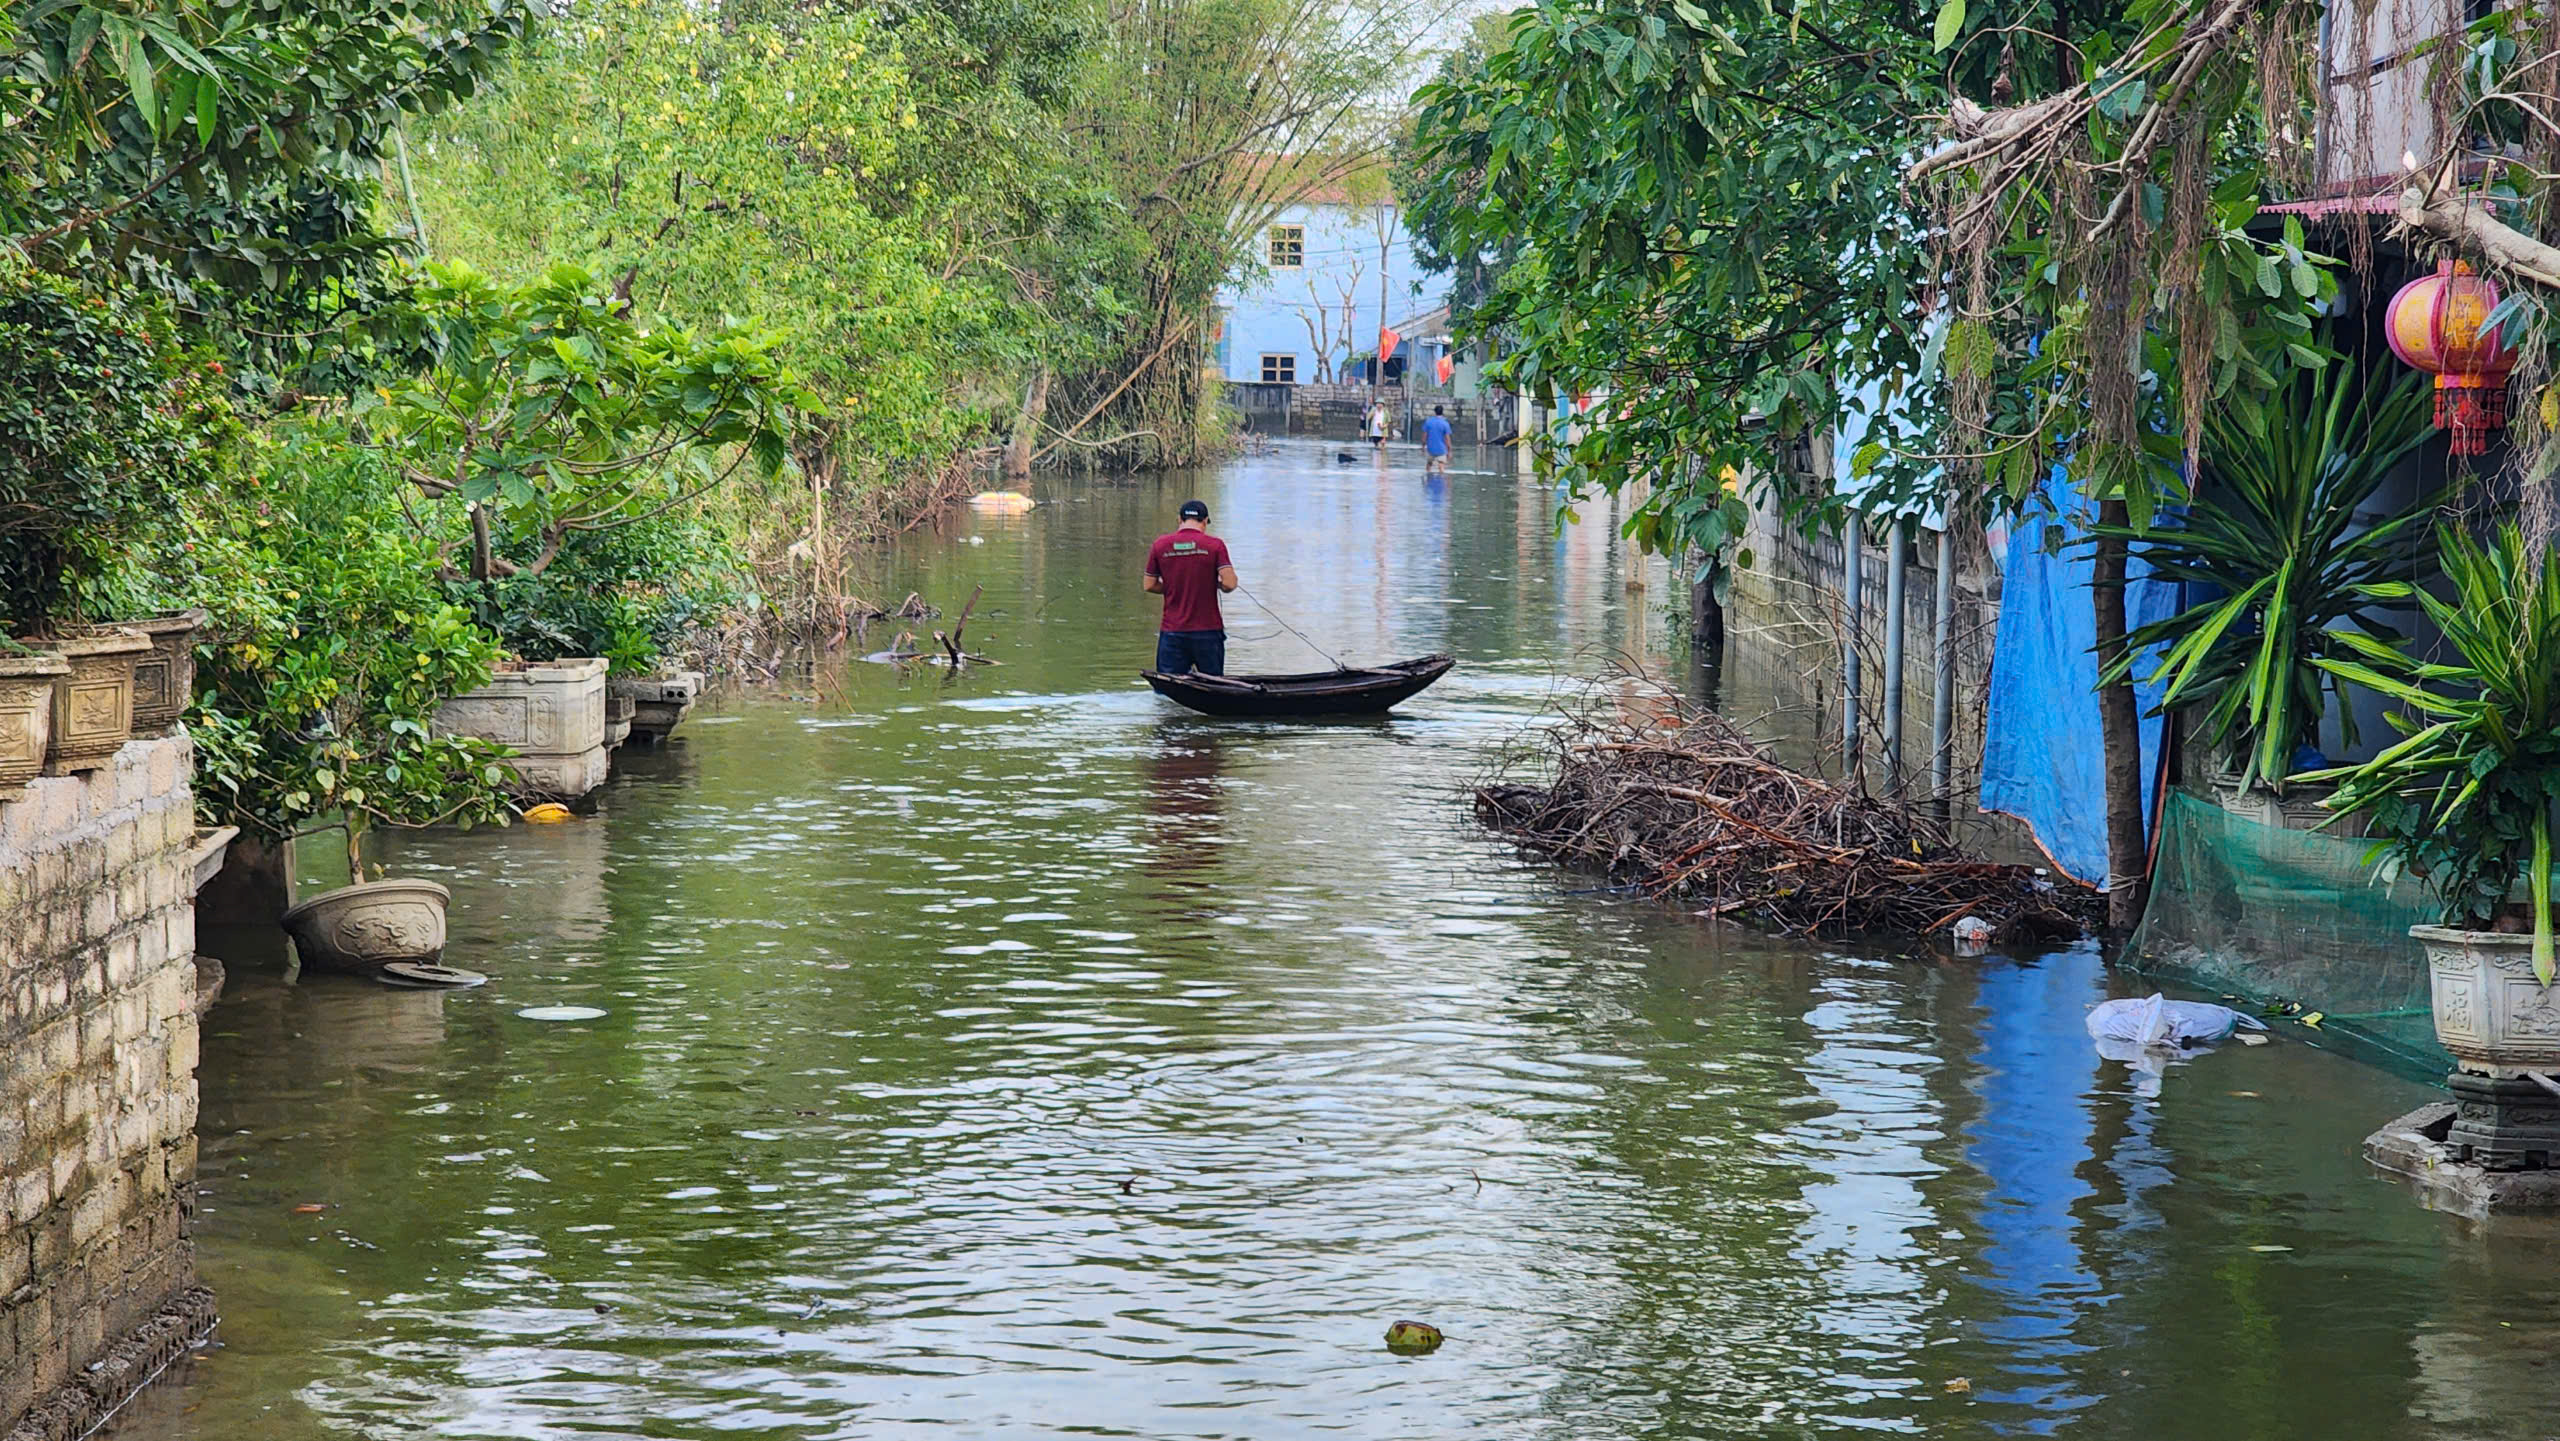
(1187, 561)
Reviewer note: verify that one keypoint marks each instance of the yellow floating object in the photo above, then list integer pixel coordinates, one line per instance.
(548, 814)
(1001, 500)
(1413, 1338)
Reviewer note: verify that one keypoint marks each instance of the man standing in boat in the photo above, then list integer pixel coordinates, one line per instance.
(1189, 568)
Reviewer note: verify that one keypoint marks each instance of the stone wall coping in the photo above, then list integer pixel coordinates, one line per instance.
(551, 672)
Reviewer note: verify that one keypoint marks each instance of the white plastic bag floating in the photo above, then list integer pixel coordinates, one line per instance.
(2150, 1033)
(2157, 1022)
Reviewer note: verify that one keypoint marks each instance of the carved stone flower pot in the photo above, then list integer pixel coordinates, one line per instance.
(550, 712)
(164, 680)
(2489, 1010)
(618, 709)
(658, 704)
(93, 706)
(362, 928)
(26, 717)
(2302, 806)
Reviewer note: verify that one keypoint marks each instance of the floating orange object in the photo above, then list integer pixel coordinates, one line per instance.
(309, 1208)
(2440, 323)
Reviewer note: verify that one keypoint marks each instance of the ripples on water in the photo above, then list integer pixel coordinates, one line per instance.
(1017, 1056)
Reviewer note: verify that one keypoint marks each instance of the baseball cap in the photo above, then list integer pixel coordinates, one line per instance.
(1195, 510)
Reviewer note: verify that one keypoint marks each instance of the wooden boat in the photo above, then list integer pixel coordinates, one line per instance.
(1321, 693)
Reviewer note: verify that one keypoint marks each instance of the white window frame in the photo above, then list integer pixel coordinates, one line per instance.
(1274, 360)
(1294, 237)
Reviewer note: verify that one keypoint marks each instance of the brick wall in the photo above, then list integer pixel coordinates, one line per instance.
(97, 1088)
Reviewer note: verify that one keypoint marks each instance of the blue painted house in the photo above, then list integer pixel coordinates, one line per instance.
(1308, 303)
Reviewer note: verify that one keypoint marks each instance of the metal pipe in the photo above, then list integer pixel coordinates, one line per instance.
(1853, 556)
(1942, 707)
(1896, 578)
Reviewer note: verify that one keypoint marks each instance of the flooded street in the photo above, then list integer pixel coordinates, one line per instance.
(1014, 1054)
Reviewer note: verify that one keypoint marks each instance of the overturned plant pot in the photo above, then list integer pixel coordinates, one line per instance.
(26, 717)
(93, 705)
(164, 680)
(659, 703)
(2490, 1011)
(362, 928)
(550, 712)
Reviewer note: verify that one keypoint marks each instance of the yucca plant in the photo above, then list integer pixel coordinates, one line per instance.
(2275, 534)
(2464, 801)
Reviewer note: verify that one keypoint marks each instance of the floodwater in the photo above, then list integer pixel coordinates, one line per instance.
(1014, 1055)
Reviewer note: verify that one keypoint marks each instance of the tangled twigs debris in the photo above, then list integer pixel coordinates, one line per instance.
(1682, 803)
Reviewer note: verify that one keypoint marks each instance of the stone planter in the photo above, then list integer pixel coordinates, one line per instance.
(550, 712)
(93, 706)
(164, 680)
(362, 928)
(26, 717)
(618, 709)
(2489, 1010)
(659, 704)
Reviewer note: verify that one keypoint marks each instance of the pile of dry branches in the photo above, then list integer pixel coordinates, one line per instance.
(1682, 803)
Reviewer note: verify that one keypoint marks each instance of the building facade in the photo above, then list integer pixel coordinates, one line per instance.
(1325, 275)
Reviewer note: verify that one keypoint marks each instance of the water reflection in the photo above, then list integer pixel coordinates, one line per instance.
(1184, 799)
(1014, 1054)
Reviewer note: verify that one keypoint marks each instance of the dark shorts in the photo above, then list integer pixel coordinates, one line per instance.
(1178, 651)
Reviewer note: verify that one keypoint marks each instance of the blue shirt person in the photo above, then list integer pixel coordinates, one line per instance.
(1435, 439)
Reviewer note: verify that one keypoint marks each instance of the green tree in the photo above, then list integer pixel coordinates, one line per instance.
(227, 154)
(550, 412)
(1708, 215)
(105, 421)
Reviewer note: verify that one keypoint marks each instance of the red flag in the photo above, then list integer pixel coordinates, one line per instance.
(1448, 367)
(1388, 340)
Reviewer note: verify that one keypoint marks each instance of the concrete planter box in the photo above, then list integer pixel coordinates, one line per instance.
(26, 717)
(660, 703)
(360, 929)
(165, 680)
(618, 709)
(93, 706)
(204, 858)
(550, 712)
(2489, 1010)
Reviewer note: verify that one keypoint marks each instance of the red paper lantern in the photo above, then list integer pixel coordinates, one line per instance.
(2437, 323)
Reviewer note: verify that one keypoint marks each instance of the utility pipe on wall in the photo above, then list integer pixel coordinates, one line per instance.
(1942, 700)
(1896, 578)
(1853, 560)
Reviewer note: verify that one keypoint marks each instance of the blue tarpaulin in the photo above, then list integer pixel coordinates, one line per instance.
(2042, 759)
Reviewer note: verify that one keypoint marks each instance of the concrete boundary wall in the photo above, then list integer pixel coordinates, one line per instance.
(97, 1089)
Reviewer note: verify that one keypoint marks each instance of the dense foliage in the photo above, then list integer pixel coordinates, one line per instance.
(2465, 801)
(628, 593)
(330, 645)
(2280, 545)
(1729, 224)
(104, 421)
(227, 153)
(782, 171)
(547, 411)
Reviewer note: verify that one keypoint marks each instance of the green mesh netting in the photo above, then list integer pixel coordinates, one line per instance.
(2277, 915)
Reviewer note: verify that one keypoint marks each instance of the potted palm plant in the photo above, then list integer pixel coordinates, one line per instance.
(2465, 799)
(2291, 578)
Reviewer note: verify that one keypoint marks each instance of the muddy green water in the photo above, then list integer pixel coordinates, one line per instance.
(1017, 1056)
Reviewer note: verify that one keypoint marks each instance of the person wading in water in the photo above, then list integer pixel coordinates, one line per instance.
(1188, 568)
